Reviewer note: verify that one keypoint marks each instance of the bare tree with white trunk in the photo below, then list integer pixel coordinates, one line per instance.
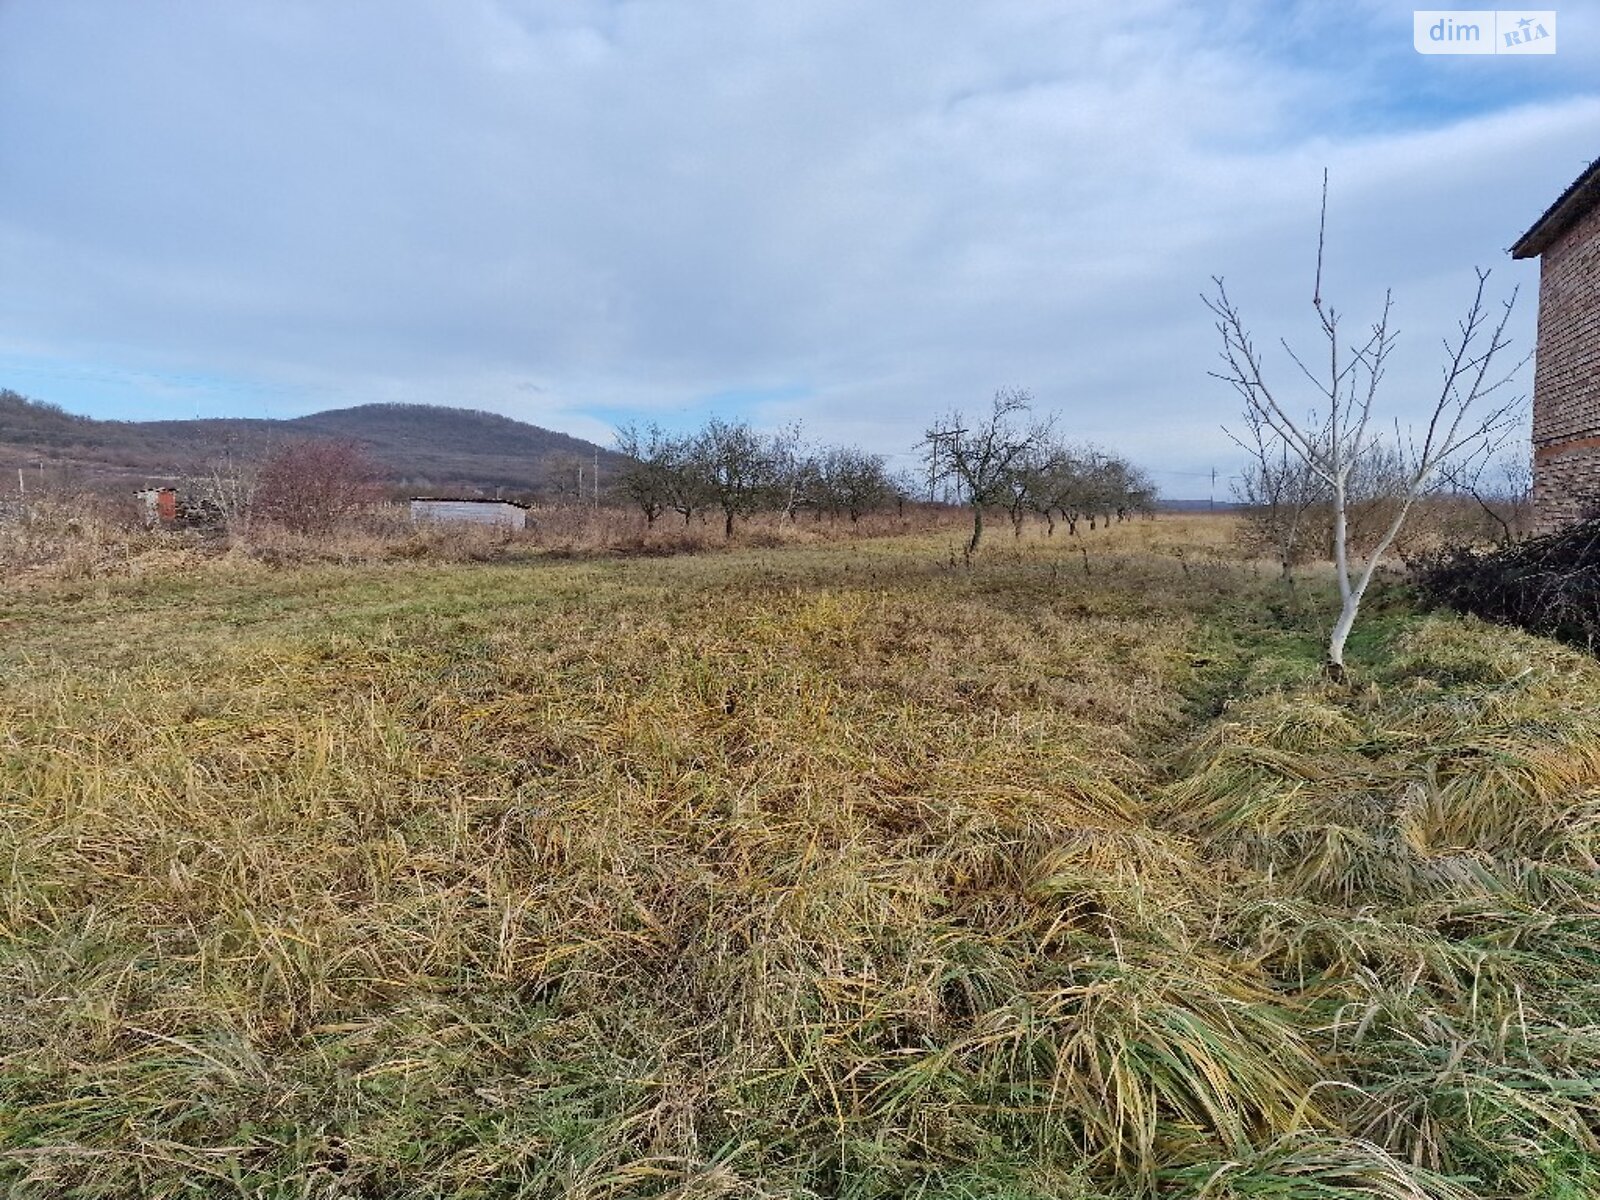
(1344, 430)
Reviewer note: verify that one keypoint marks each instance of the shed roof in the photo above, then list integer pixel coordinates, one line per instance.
(1569, 207)
(468, 500)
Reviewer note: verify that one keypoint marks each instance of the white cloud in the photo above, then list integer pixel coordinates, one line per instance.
(637, 206)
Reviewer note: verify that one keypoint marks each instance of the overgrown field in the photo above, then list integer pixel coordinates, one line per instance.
(835, 871)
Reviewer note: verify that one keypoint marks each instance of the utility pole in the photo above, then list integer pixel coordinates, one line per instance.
(937, 439)
(1213, 489)
(597, 480)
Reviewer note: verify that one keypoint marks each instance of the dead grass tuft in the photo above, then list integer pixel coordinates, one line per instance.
(849, 869)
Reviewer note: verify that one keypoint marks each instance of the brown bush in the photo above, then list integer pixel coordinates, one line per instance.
(77, 537)
(313, 486)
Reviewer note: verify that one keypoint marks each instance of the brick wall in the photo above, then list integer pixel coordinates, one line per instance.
(1566, 378)
(1566, 487)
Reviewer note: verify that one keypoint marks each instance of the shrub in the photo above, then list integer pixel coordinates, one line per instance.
(1548, 585)
(311, 486)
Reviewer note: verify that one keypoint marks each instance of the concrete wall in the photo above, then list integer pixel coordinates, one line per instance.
(1566, 379)
(472, 512)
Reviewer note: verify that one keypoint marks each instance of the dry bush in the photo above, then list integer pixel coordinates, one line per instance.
(1455, 520)
(314, 487)
(95, 536)
(1549, 585)
(81, 537)
(1434, 521)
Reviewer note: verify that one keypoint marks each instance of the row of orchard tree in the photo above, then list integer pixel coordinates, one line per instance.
(734, 469)
(1010, 460)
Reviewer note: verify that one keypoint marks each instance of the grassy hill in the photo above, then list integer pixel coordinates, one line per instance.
(847, 871)
(421, 446)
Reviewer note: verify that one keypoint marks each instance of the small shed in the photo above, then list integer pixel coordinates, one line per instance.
(159, 505)
(441, 510)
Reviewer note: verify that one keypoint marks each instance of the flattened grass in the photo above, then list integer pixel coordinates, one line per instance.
(836, 872)
(1422, 881)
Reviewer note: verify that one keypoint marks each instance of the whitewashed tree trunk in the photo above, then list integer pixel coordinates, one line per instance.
(1338, 442)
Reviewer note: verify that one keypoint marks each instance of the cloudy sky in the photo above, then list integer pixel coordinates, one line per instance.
(855, 214)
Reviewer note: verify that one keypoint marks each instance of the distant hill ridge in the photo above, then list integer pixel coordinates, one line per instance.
(419, 445)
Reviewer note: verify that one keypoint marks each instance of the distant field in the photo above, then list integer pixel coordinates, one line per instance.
(844, 870)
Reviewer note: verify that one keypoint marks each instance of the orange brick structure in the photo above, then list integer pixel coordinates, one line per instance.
(160, 505)
(1566, 376)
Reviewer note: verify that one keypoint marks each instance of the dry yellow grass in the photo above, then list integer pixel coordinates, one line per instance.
(846, 870)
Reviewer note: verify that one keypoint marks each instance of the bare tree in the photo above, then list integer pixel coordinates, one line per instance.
(311, 486)
(1278, 490)
(647, 477)
(1500, 483)
(1122, 488)
(1516, 487)
(1054, 478)
(1097, 487)
(1075, 487)
(1340, 435)
(1049, 478)
(738, 464)
(793, 471)
(566, 478)
(983, 460)
(1087, 482)
(851, 481)
(1033, 490)
(688, 486)
(904, 487)
(1032, 483)
(224, 493)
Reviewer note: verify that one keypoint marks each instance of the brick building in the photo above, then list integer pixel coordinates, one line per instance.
(1566, 376)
